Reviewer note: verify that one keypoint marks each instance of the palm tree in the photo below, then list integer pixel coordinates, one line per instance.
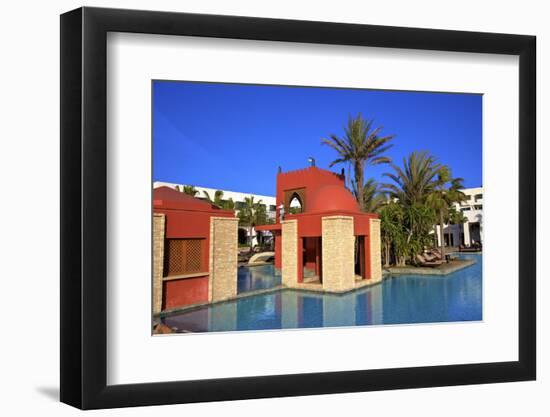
(228, 204)
(360, 146)
(412, 185)
(373, 197)
(391, 231)
(445, 193)
(219, 201)
(218, 195)
(415, 180)
(190, 190)
(253, 213)
(456, 217)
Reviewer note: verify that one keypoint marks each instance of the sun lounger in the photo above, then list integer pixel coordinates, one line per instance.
(423, 262)
(430, 257)
(437, 254)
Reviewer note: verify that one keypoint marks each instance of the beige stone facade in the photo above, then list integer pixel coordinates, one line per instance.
(158, 260)
(338, 253)
(289, 234)
(375, 251)
(223, 258)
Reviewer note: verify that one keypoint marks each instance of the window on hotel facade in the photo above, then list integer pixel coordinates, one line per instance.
(272, 208)
(183, 256)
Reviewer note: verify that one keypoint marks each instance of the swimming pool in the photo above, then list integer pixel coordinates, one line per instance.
(397, 300)
(257, 278)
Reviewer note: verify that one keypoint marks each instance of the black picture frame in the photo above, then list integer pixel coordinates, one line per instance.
(84, 207)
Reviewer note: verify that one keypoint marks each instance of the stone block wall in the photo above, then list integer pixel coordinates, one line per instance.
(289, 252)
(223, 258)
(375, 251)
(338, 253)
(158, 260)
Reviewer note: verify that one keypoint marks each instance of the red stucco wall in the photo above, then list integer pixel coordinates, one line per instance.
(182, 292)
(278, 249)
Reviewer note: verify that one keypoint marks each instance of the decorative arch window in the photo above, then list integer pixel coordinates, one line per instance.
(295, 205)
(294, 200)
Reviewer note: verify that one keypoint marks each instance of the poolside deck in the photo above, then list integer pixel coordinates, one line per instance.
(443, 269)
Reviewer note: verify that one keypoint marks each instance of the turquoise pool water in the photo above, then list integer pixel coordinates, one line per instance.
(397, 300)
(257, 278)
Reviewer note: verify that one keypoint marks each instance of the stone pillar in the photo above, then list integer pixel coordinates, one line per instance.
(375, 252)
(338, 253)
(158, 260)
(289, 251)
(223, 258)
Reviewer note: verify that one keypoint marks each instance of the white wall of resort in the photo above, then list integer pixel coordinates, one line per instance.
(237, 196)
(29, 168)
(472, 229)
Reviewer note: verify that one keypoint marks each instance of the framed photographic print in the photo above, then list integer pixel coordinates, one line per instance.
(257, 208)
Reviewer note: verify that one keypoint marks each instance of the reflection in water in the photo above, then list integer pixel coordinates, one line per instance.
(404, 299)
(257, 278)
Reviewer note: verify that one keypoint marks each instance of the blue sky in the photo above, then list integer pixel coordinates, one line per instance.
(233, 137)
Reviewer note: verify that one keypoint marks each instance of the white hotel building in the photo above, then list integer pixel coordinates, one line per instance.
(471, 231)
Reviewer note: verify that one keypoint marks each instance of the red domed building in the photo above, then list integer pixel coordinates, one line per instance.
(324, 241)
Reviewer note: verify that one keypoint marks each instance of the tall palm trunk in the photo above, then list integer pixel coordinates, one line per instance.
(358, 168)
(387, 251)
(401, 261)
(441, 235)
